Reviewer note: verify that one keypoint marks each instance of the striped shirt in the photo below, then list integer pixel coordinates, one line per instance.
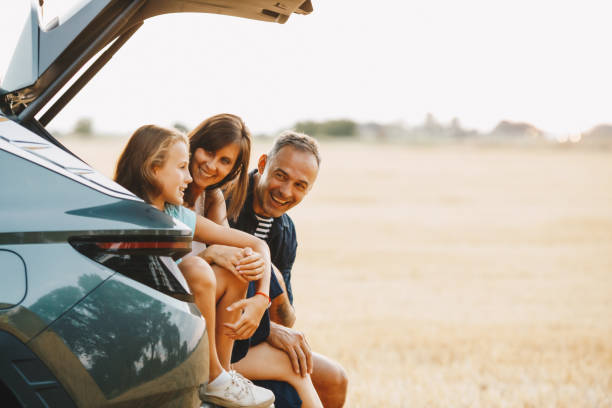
(263, 227)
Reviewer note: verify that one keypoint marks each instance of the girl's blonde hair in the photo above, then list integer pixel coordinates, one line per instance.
(147, 148)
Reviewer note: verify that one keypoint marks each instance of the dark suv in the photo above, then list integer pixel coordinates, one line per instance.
(93, 310)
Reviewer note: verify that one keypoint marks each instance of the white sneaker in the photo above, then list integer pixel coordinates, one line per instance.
(237, 393)
(207, 405)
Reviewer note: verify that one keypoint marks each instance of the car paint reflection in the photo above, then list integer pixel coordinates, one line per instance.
(123, 321)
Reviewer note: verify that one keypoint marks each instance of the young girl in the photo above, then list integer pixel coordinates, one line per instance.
(155, 166)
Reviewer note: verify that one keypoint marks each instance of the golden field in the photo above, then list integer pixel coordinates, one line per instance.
(454, 276)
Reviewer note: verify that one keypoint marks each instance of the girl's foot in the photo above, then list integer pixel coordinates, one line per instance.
(232, 390)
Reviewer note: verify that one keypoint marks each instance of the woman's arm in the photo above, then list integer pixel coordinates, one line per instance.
(209, 232)
(228, 257)
(235, 260)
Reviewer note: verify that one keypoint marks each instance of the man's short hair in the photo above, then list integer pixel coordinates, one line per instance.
(298, 141)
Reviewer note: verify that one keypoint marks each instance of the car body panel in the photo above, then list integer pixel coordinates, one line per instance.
(44, 202)
(53, 41)
(159, 342)
(107, 339)
(28, 378)
(264, 10)
(14, 286)
(26, 144)
(23, 69)
(38, 47)
(55, 287)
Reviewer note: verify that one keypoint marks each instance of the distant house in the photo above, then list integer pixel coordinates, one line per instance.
(507, 129)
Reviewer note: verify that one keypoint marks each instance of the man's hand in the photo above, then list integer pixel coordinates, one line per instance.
(295, 345)
(253, 309)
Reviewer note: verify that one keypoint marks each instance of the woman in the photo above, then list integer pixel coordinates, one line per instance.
(220, 150)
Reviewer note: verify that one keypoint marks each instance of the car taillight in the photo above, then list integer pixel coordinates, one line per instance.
(148, 260)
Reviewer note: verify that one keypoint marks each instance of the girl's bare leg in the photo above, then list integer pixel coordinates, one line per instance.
(264, 362)
(229, 290)
(202, 283)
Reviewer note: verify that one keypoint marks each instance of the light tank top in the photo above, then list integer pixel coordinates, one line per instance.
(198, 208)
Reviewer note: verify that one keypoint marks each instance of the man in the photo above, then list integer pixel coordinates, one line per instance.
(282, 179)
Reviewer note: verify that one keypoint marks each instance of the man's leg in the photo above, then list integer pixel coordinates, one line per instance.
(285, 396)
(330, 381)
(264, 362)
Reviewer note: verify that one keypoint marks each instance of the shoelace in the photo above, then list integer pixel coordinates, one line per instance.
(244, 385)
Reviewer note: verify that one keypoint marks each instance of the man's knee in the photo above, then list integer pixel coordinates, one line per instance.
(330, 380)
(336, 378)
(341, 379)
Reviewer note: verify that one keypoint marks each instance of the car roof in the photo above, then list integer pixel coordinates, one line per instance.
(45, 59)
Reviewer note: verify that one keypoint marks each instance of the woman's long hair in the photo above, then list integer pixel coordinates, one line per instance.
(213, 134)
(147, 148)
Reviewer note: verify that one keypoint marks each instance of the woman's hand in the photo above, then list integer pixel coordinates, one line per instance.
(211, 233)
(251, 265)
(246, 264)
(227, 257)
(253, 309)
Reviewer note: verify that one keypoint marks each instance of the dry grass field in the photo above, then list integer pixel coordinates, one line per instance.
(455, 276)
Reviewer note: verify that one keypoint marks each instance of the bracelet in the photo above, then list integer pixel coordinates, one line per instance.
(266, 296)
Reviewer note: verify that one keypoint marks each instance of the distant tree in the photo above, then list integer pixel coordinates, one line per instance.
(431, 126)
(84, 127)
(455, 124)
(309, 127)
(455, 128)
(181, 127)
(340, 127)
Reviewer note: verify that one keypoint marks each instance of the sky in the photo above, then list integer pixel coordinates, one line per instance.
(544, 62)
